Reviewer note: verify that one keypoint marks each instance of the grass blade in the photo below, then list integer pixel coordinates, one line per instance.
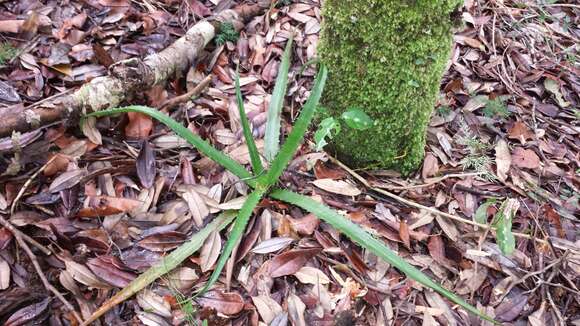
(237, 231)
(272, 136)
(168, 263)
(204, 147)
(252, 148)
(366, 240)
(297, 134)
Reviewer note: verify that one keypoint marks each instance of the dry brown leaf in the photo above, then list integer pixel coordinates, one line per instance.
(267, 307)
(84, 275)
(337, 187)
(430, 166)
(448, 227)
(210, 251)
(525, 158)
(305, 225)
(291, 261)
(139, 126)
(404, 234)
(520, 132)
(227, 303)
(272, 245)
(503, 159)
(4, 274)
(311, 275)
(106, 205)
(296, 310)
(152, 302)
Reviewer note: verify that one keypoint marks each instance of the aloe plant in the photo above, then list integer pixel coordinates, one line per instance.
(263, 185)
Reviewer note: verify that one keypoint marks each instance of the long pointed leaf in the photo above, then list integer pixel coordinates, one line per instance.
(366, 240)
(297, 134)
(252, 148)
(272, 136)
(204, 147)
(237, 231)
(168, 263)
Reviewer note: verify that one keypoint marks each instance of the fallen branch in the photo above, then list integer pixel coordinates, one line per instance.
(127, 77)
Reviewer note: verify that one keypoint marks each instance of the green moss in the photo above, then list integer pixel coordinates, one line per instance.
(385, 57)
(7, 52)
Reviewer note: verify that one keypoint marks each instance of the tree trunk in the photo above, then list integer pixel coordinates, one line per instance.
(385, 57)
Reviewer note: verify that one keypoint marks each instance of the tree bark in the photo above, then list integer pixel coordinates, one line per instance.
(385, 57)
(127, 77)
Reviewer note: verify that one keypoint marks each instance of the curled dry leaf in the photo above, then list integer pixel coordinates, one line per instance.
(311, 275)
(210, 251)
(150, 301)
(267, 307)
(67, 180)
(4, 274)
(196, 204)
(227, 303)
(337, 187)
(181, 278)
(84, 275)
(521, 132)
(430, 166)
(34, 314)
(305, 225)
(111, 270)
(151, 319)
(296, 310)
(146, 169)
(290, 262)
(272, 245)
(503, 159)
(162, 241)
(106, 205)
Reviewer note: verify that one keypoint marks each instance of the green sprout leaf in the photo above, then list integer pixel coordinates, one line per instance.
(325, 131)
(254, 154)
(481, 212)
(503, 224)
(272, 136)
(235, 236)
(357, 119)
(297, 134)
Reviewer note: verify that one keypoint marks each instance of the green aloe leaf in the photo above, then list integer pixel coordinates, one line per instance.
(370, 243)
(203, 146)
(357, 119)
(503, 224)
(272, 136)
(166, 265)
(234, 237)
(252, 148)
(297, 134)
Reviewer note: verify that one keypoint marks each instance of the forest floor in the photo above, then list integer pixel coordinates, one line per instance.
(505, 128)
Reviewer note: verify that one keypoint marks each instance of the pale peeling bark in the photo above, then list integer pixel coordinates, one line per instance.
(126, 77)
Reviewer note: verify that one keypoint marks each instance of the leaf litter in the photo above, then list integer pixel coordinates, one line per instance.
(110, 222)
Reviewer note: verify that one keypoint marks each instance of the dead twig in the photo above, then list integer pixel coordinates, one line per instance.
(430, 182)
(196, 91)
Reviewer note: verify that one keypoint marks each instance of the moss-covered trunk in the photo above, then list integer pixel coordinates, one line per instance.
(385, 57)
